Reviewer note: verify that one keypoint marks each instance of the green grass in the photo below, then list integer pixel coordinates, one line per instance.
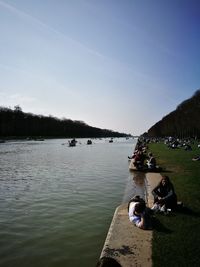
(176, 237)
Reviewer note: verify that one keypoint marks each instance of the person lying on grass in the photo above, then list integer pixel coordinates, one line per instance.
(164, 195)
(138, 213)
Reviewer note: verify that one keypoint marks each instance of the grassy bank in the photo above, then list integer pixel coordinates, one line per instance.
(176, 237)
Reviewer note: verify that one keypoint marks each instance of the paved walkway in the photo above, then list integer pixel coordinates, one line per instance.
(126, 243)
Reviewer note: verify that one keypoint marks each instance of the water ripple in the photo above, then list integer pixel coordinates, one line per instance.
(57, 202)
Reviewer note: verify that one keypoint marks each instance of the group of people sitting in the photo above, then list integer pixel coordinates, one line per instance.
(165, 200)
(143, 161)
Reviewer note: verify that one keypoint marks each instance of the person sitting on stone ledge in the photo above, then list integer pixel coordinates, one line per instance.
(133, 155)
(138, 214)
(151, 162)
(139, 160)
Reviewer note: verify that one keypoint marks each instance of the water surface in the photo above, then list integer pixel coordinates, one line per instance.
(57, 202)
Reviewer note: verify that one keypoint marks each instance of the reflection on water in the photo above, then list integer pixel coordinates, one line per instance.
(57, 202)
(135, 186)
(139, 181)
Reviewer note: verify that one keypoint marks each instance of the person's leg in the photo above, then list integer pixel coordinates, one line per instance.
(147, 219)
(171, 203)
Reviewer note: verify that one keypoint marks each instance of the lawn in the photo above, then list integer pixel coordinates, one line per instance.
(176, 238)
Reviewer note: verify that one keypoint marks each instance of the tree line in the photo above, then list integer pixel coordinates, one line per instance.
(14, 123)
(184, 122)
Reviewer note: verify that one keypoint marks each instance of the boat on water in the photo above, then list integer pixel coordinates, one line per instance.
(111, 140)
(72, 142)
(89, 142)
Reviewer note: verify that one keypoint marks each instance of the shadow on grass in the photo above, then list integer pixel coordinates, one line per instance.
(156, 224)
(159, 227)
(187, 211)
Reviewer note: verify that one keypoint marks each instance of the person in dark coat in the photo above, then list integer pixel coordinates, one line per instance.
(164, 194)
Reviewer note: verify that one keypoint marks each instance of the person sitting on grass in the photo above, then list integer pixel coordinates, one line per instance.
(138, 213)
(151, 162)
(164, 195)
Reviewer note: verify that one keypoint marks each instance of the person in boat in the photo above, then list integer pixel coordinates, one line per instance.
(138, 213)
(72, 142)
(89, 142)
(164, 195)
(151, 162)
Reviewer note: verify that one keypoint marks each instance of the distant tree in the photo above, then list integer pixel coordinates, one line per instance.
(16, 123)
(183, 122)
(17, 108)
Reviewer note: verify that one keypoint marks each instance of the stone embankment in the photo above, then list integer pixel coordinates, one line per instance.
(127, 244)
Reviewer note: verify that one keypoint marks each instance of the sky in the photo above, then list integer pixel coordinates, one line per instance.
(114, 64)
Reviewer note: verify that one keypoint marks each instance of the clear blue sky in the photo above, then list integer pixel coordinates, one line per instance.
(115, 64)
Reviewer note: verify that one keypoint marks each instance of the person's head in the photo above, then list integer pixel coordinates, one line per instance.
(140, 207)
(108, 262)
(165, 180)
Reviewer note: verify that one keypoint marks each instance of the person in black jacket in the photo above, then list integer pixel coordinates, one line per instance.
(164, 195)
